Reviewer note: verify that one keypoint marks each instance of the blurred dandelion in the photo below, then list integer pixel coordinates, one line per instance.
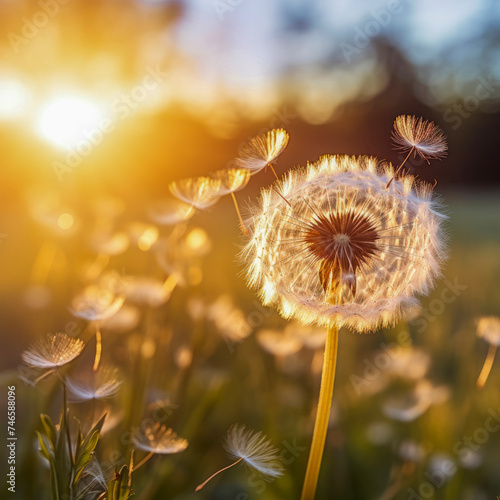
(419, 136)
(262, 150)
(488, 328)
(100, 384)
(253, 448)
(53, 351)
(232, 180)
(331, 245)
(156, 438)
(278, 342)
(108, 243)
(170, 212)
(96, 303)
(199, 192)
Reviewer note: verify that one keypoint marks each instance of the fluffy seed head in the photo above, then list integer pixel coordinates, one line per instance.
(53, 351)
(488, 328)
(330, 244)
(232, 179)
(254, 449)
(423, 136)
(102, 384)
(262, 150)
(157, 438)
(200, 192)
(96, 303)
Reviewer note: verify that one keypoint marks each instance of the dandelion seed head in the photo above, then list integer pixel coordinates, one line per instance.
(232, 179)
(103, 384)
(53, 351)
(157, 438)
(329, 244)
(262, 150)
(423, 136)
(96, 303)
(254, 449)
(200, 192)
(488, 328)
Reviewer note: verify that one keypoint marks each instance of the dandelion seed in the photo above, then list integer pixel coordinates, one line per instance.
(337, 248)
(279, 343)
(262, 150)
(199, 192)
(96, 303)
(53, 351)
(100, 384)
(488, 328)
(146, 290)
(127, 318)
(409, 364)
(170, 212)
(158, 439)
(232, 180)
(420, 136)
(253, 448)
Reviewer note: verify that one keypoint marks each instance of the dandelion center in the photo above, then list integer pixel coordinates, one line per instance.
(342, 242)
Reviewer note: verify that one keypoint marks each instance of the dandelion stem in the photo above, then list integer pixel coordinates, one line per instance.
(243, 227)
(98, 347)
(399, 168)
(488, 363)
(200, 486)
(144, 460)
(274, 171)
(322, 415)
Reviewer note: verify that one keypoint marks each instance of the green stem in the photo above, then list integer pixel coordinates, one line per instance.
(322, 415)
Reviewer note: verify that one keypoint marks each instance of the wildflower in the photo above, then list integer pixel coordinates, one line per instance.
(100, 384)
(199, 192)
(420, 136)
(252, 448)
(332, 246)
(53, 351)
(157, 438)
(488, 328)
(262, 150)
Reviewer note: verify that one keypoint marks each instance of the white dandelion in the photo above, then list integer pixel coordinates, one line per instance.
(253, 448)
(53, 351)
(199, 192)
(262, 150)
(332, 245)
(101, 384)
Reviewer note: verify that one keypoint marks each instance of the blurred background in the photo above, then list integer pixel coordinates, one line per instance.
(103, 103)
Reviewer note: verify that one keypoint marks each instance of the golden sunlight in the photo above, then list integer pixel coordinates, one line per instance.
(67, 120)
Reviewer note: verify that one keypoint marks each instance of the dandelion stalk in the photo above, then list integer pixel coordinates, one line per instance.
(98, 347)
(399, 168)
(322, 415)
(488, 364)
(144, 460)
(243, 227)
(274, 171)
(202, 485)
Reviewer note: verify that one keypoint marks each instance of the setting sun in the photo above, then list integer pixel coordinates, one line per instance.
(65, 120)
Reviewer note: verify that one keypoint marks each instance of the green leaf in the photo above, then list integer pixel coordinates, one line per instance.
(118, 488)
(50, 430)
(44, 451)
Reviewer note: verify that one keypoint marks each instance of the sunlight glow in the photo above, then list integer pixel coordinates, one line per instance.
(67, 120)
(14, 97)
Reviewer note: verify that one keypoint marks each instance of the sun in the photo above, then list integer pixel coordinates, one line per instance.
(67, 120)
